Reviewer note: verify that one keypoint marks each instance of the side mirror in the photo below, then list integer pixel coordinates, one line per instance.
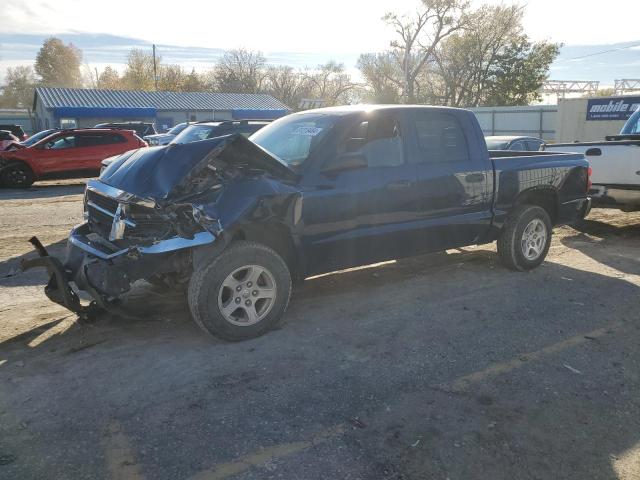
(346, 161)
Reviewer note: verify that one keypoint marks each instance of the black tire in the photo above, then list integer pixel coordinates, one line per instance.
(510, 248)
(206, 284)
(17, 175)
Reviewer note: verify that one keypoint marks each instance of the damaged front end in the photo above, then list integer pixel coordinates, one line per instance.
(145, 216)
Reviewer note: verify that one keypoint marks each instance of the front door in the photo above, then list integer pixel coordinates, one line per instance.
(59, 154)
(360, 216)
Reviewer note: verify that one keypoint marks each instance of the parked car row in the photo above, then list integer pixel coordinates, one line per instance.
(83, 152)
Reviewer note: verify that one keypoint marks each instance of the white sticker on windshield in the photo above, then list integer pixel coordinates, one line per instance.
(309, 131)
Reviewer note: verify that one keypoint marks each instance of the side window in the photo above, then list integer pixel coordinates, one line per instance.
(378, 140)
(59, 143)
(517, 146)
(440, 138)
(89, 140)
(111, 138)
(533, 145)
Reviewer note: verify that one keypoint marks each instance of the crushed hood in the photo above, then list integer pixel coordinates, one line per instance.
(160, 173)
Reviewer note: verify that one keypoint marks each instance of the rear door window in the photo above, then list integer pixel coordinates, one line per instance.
(533, 145)
(440, 138)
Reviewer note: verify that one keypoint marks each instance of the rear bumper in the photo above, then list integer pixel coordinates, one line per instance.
(105, 272)
(573, 211)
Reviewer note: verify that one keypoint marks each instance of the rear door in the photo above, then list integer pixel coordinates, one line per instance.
(95, 147)
(359, 216)
(455, 181)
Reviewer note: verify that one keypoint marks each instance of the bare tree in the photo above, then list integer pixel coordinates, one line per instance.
(286, 84)
(383, 77)
(466, 59)
(419, 36)
(109, 79)
(171, 78)
(138, 74)
(239, 71)
(331, 83)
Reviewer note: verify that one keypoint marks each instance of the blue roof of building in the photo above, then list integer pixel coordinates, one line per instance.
(129, 99)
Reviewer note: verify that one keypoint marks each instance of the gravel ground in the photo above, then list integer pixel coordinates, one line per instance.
(444, 366)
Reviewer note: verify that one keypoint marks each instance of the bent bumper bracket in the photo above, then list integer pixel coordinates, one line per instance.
(58, 289)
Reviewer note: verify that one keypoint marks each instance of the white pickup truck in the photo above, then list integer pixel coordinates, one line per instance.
(615, 164)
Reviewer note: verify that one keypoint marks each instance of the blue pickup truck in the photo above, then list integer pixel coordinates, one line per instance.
(236, 221)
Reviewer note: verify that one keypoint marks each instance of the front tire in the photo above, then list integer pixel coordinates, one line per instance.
(242, 293)
(17, 175)
(525, 238)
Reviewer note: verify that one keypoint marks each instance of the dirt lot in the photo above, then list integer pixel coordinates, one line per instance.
(444, 366)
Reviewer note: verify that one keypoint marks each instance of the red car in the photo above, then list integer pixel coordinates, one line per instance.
(64, 154)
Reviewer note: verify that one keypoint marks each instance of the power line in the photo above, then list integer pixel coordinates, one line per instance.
(604, 51)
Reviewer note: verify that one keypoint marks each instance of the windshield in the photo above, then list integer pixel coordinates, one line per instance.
(632, 127)
(294, 137)
(37, 137)
(178, 128)
(194, 133)
(493, 144)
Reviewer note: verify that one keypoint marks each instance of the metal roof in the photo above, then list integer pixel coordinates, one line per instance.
(192, 101)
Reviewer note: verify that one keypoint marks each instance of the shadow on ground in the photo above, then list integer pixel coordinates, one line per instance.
(43, 190)
(11, 274)
(370, 354)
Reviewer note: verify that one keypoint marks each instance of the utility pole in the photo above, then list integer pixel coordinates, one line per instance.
(155, 71)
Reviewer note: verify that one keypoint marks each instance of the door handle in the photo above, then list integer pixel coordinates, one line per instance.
(593, 152)
(475, 177)
(399, 185)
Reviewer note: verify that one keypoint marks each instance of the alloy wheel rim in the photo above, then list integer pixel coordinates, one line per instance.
(533, 239)
(247, 295)
(17, 175)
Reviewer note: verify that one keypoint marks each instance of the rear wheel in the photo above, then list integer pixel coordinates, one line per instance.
(242, 293)
(17, 175)
(525, 238)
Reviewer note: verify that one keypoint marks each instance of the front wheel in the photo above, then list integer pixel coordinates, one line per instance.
(17, 175)
(242, 293)
(525, 238)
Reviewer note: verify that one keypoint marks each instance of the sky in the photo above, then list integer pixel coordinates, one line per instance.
(299, 33)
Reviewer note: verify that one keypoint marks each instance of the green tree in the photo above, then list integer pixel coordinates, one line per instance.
(17, 91)
(58, 65)
(466, 61)
(521, 69)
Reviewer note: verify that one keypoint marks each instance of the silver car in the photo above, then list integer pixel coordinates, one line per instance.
(165, 138)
